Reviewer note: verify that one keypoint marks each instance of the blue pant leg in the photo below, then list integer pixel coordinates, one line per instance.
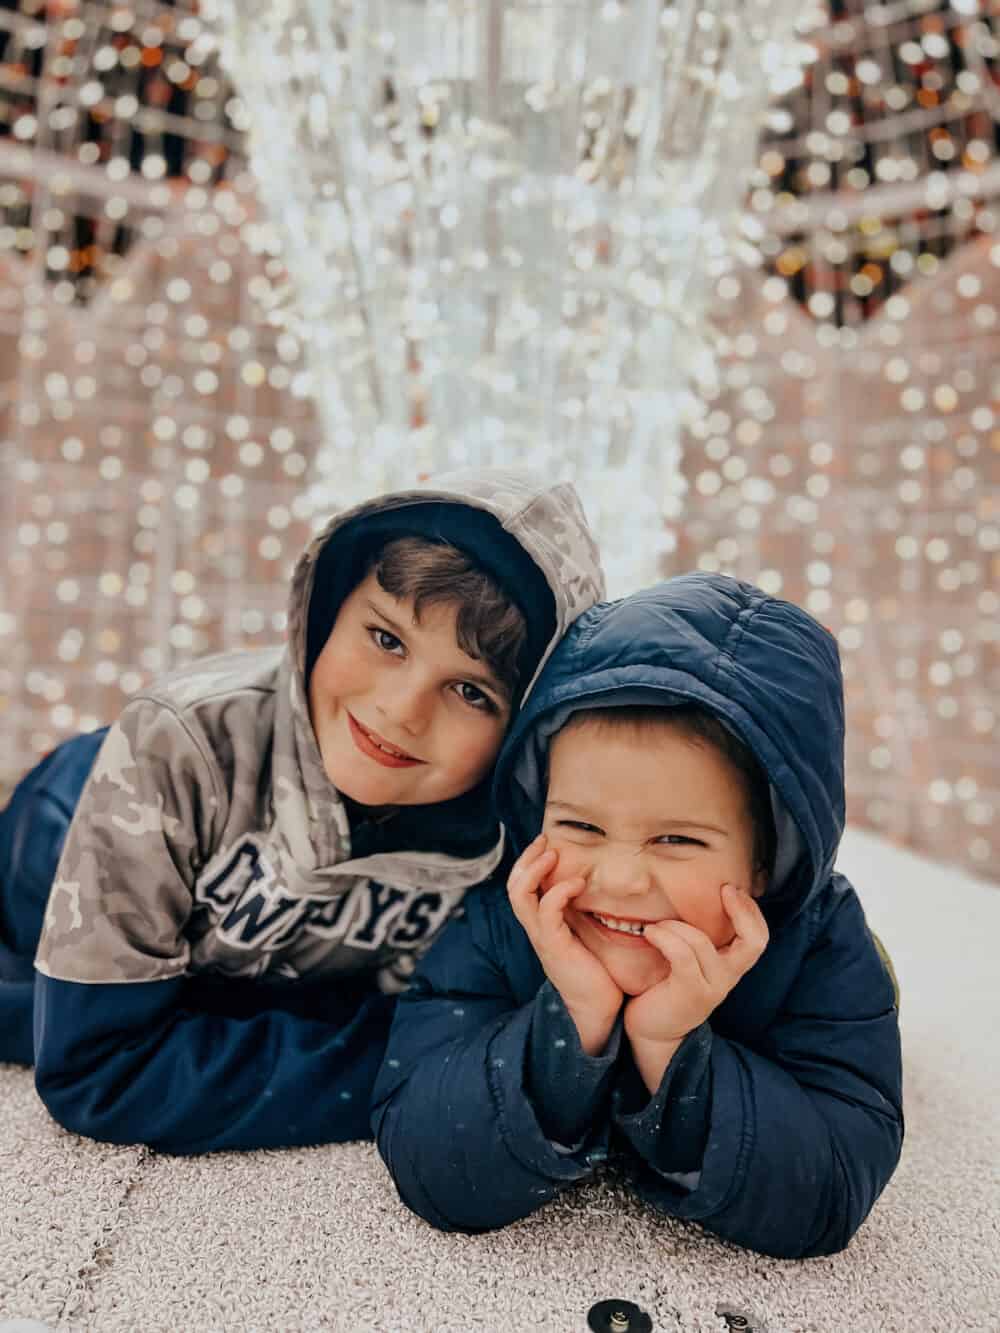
(33, 829)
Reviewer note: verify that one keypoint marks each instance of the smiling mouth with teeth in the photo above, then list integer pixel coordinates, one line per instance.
(388, 749)
(373, 745)
(619, 924)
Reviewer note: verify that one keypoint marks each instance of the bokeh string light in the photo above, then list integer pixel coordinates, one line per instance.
(501, 222)
(851, 459)
(162, 461)
(156, 440)
(884, 160)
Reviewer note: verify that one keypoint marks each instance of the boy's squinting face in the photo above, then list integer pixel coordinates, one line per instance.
(402, 715)
(655, 821)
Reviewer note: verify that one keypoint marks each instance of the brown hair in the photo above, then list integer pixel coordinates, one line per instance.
(700, 724)
(489, 626)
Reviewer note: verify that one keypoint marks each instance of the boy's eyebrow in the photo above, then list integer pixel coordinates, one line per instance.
(384, 615)
(473, 678)
(583, 813)
(568, 805)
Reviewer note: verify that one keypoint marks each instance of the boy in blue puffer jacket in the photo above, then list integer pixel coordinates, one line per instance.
(674, 976)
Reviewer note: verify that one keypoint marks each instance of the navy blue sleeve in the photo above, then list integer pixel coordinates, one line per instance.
(682, 1102)
(16, 994)
(453, 1111)
(569, 1089)
(802, 1132)
(188, 1067)
(32, 832)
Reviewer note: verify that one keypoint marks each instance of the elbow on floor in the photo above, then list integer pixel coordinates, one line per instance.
(70, 1103)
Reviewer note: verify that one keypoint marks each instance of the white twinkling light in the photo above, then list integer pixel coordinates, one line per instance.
(502, 223)
(156, 424)
(875, 253)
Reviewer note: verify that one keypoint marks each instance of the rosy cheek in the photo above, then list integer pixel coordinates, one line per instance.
(472, 760)
(331, 679)
(704, 910)
(569, 866)
(553, 877)
(722, 933)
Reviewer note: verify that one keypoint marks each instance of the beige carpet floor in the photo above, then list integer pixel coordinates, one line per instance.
(104, 1238)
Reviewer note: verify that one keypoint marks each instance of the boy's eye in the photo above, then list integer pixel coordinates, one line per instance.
(577, 825)
(389, 643)
(475, 697)
(678, 840)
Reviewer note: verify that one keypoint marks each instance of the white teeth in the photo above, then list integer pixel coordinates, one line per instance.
(614, 923)
(387, 749)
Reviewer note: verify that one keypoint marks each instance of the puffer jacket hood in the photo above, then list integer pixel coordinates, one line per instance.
(761, 665)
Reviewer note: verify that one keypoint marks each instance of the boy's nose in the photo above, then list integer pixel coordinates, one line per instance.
(620, 872)
(407, 707)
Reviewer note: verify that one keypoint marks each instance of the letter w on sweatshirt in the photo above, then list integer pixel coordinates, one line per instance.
(252, 909)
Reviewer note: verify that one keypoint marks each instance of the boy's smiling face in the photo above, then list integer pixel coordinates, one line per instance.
(655, 821)
(402, 715)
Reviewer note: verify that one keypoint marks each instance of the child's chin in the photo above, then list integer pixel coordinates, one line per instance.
(632, 989)
(638, 985)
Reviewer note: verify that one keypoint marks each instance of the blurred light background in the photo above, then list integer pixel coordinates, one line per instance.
(166, 442)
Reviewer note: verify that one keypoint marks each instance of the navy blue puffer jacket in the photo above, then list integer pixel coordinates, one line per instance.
(779, 1121)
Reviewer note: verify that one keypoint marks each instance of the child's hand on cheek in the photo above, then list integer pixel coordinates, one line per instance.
(591, 996)
(700, 978)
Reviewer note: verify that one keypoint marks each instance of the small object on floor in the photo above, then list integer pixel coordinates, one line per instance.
(740, 1321)
(618, 1317)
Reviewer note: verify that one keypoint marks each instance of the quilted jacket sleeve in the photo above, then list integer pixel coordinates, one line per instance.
(469, 1144)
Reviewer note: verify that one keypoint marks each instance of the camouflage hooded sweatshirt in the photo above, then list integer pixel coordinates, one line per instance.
(216, 968)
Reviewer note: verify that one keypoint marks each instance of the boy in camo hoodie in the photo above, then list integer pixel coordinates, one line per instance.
(269, 840)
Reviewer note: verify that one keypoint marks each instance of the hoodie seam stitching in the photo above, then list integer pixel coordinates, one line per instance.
(729, 646)
(748, 1137)
(814, 922)
(585, 634)
(526, 508)
(538, 555)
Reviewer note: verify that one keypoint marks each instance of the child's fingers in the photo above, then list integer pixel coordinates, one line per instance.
(746, 916)
(542, 918)
(530, 854)
(524, 882)
(552, 907)
(528, 872)
(684, 948)
(748, 921)
(702, 950)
